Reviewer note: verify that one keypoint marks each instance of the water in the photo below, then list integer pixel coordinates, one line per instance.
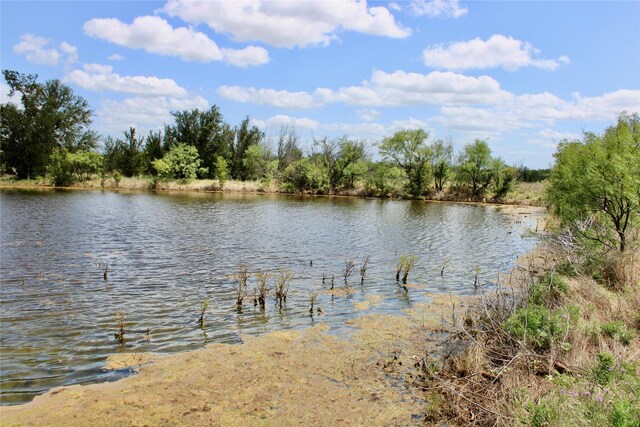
(166, 253)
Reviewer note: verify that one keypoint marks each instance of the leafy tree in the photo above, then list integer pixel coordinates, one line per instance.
(205, 130)
(153, 149)
(476, 167)
(599, 179)
(336, 156)
(504, 178)
(60, 169)
(384, 179)
(180, 162)
(84, 164)
(304, 174)
(48, 116)
(246, 137)
(222, 170)
(408, 150)
(441, 162)
(258, 162)
(125, 155)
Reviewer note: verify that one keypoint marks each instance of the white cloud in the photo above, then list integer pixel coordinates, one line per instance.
(409, 123)
(250, 55)
(115, 57)
(4, 95)
(368, 115)
(384, 89)
(497, 51)
(143, 113)
(275, 122)
(156, 35)
(367, 131)
(434, 8)
(288, 23)
(36, 50)
(270, 97)
(100, 78)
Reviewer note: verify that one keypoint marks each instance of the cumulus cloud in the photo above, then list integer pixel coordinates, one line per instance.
(115, 57)
(143, 113)
(288, 23)
(436, 8)
(498, 51)
(36, 50)
(275, 122)
(155, 35)
(368, 115)
(398, 88)
(271, 97)
(100, 78)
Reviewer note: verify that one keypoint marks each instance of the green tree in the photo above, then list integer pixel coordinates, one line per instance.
(48, 116)
(476, 166)
(305, 174)
(408, 150)
(60, 169)
(153, 149)
(599, 179)
(335, 157)
(441, 162)
(222, 170)
(258, 162)
(205, 130)
(384, 179)
(245, 137)
(84, 164)
(180, 162)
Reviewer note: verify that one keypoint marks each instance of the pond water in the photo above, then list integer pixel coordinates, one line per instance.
(167, 253)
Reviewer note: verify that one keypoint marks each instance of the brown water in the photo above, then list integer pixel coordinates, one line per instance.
(167, 253)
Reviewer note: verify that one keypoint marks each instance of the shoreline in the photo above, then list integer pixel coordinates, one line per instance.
(137, 185)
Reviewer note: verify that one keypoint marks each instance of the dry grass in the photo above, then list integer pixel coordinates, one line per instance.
(490, 377)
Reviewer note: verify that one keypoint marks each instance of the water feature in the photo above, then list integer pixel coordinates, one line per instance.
(167, 253)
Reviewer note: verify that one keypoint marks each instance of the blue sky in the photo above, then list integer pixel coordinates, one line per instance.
(521, 75)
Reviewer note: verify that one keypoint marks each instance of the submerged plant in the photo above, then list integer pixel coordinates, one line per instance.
(203, 309)
(263, 286)
(312, 301)
(409, 263)
(106, 271)
(119, 318)
(349, 265)
(363, 267)
(241, 277)
(282, 285)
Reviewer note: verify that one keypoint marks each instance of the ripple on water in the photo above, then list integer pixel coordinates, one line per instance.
(167, 253)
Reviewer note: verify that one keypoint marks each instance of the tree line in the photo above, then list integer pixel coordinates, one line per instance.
(48, 133)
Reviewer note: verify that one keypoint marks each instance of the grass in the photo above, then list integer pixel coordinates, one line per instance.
(551, 351)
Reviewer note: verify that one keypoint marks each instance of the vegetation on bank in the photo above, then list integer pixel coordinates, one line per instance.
(47, 138)
(556, 342)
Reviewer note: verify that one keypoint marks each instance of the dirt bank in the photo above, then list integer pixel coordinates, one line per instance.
(307, 377)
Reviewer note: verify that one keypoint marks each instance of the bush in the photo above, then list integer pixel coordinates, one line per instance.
(548, 290)
(535, 324)
(618, 329)
(603, 372)
(60, 169)
(181, 162)
(304, 175)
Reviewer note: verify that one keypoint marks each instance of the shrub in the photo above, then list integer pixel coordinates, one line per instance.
(603, 372)
(535, 324)
(60, 169)
(548, 290)
(181, 162)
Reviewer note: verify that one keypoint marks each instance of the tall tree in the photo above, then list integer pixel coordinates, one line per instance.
(336, 156)
(48, 116)
(408, 149)
(205, 130)
(441, 162)
(245, 137)
(598, 180)
(476, 166)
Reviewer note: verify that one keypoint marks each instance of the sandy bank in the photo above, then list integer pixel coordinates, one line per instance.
(307, 377)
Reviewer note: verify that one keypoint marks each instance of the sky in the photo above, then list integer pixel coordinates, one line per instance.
(520, 75)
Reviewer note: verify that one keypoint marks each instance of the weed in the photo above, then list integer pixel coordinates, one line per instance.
(548, 290)
(618, 329)
(312, 300)
(203, 309)
(603, 372)
(282, 285)
(409, 263)
(363, 267)
(241, 277)
(541, 415)
(105, 274)
(263, 286)
(119, 318)
(534, 324)
(349, 265)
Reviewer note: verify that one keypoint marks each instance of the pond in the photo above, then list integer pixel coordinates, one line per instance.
(167, 253)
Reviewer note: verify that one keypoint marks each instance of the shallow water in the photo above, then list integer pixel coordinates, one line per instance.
(166, 253)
